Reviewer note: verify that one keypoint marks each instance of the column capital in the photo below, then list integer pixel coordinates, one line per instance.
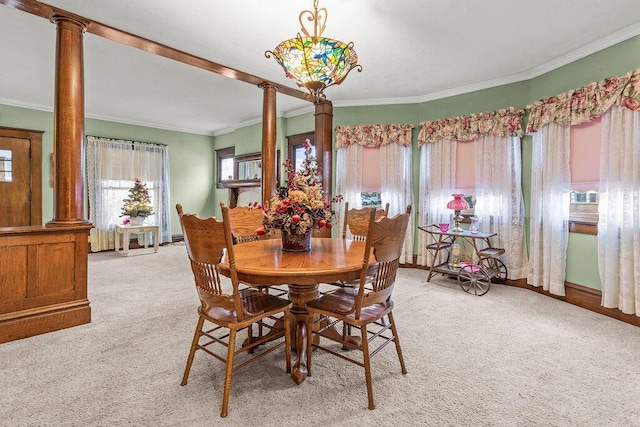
(57, 18)
(267, 86)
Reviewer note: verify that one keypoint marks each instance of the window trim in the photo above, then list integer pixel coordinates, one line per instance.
(583, 227)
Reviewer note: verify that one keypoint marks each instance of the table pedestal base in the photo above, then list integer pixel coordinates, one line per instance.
(299, 295)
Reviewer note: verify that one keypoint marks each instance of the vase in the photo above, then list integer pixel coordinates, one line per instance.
(296, 242)
(136, 220)
(474, 227)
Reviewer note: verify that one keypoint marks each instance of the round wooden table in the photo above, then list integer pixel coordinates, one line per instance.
(264, 263)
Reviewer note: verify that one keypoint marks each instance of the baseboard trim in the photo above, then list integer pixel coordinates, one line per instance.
(42, 320)
(581, 296)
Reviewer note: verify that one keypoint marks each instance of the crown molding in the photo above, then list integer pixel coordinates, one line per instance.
(606, 42)
(48, 109)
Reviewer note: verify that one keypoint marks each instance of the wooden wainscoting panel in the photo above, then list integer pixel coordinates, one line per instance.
(44, 287)
(13, 275)
(55, 268)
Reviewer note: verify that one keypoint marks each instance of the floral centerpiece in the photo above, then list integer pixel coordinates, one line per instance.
(300, 206)
(138, 204)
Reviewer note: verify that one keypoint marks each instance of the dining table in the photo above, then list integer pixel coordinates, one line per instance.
(263, 262)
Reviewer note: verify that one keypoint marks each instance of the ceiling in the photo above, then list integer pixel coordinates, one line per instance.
(411, 51)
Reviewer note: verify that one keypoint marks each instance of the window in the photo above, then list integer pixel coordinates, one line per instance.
(112, 166)
(114, 191)
(226, 164)
(371, 179)
(585, 171)
(584, 206)
(371, 199)
(466, 175)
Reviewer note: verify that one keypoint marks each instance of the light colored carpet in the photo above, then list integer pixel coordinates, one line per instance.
(509, 358)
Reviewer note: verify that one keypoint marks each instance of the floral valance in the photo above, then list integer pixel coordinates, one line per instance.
(586, 103)
(505, 122)
(373, 135)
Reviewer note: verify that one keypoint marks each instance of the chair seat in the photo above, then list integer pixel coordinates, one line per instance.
(371, 274)
(342, 300)
(255, 302)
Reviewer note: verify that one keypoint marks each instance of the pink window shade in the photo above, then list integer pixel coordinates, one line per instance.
(371, 178)
(465, 167)
(585, 155)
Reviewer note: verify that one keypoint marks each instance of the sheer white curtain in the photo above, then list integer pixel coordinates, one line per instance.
(437, 183)
(397, 189)
(619, 210)
(111, 167)
(500, 205)
(349, 178)
(550, 187)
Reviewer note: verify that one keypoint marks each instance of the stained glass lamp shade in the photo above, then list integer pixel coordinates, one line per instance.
(457, 204)
(313, 61)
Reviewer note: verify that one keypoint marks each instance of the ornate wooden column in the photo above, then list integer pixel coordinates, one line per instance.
(68, 117)
(268, 142)
(323, 140)
(47, 266)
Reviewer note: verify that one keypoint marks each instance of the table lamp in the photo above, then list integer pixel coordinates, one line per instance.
(457, 204)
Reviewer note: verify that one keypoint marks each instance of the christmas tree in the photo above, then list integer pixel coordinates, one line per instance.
(138, 204)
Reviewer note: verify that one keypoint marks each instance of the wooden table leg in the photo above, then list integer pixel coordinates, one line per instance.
(299, 295)
(299, 371)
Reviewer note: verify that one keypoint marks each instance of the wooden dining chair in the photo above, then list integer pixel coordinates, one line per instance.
(366, 308)
(356, 221)
(244, 221)
(355, 227)
(225, 312)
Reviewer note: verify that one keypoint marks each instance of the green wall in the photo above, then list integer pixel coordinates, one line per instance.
(623, 57)
(190, 158)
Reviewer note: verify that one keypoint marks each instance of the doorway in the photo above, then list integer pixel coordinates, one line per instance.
(20, 177)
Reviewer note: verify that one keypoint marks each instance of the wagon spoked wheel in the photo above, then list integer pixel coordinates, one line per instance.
(495, 268)
(473, 279)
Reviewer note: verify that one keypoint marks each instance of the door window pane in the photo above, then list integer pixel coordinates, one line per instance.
(6, 166)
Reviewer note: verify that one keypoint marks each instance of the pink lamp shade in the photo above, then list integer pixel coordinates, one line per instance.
(458, 203)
